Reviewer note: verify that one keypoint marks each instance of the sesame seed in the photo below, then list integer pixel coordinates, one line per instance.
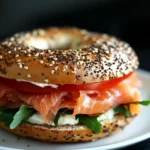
(27, 35)
(41, 61)
(55, 58)
(52, 72)
(1, 57)
(17, 55)
(41, 32)
(96, 50)
(42, 53)
(83, 31)
(56, 67)
(46, 80)
(37, 54)
(28, 75)
(65, 66)
(34, 33)
(12, 38)
(51, 53)
(50, 65)
(20, 66)
(25, 67)
(9, 44)
(18, 60)
(17, 35)
(81, 62)
(73, 71)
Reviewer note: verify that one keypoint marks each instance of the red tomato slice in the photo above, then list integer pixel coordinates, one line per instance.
(92, 86)
(29, 87)
(25, 86)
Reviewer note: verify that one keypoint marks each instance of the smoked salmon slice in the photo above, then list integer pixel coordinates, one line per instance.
(89, 102)
(107, 99)
(46, 104)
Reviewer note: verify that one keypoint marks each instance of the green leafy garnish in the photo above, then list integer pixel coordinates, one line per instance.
(121, 109)
(21, 116)
(124, 108)
(6, 115)
(144, 103)
(14, 117)
(91, 122)
(57, 118)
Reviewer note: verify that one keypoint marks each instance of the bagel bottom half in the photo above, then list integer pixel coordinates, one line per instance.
(69, 133)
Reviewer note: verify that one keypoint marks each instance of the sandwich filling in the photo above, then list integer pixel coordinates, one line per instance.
(60, 107)
(68, 119)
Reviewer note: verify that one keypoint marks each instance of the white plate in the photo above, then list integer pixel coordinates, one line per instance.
(138, 130)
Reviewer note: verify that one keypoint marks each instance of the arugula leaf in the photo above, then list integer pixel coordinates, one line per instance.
(21, 116)
(145, 103)
(121, 109)
(91, 122)
(6, 115)
(57, 118)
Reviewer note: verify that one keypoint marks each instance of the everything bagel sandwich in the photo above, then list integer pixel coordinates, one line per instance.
(67, 85)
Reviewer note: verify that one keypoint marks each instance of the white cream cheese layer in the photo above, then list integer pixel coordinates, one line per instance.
(42, 85)
(68, 119)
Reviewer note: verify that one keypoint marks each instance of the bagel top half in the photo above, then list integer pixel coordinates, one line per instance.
(65, 56)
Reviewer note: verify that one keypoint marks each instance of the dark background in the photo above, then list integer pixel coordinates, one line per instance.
(126, 19)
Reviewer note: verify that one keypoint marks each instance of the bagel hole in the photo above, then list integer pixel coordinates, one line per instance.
(58, 42)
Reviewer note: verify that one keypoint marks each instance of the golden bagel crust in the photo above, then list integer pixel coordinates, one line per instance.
(65, 56)
(76, 133)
